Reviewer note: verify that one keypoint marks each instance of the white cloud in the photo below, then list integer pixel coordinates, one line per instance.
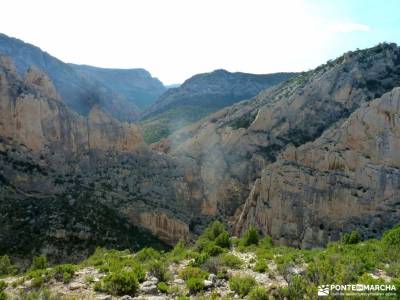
(347, 27)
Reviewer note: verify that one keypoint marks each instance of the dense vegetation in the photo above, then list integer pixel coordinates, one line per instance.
(349, 261)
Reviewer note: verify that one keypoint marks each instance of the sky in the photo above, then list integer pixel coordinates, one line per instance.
(175, 39)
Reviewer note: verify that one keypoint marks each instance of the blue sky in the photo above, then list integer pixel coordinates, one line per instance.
(175, 39)
(381, 17)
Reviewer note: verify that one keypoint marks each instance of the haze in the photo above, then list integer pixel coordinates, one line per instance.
(179, 38)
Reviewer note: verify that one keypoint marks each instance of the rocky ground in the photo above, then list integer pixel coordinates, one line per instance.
(82, 284)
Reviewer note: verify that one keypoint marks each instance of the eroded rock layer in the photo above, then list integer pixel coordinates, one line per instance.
(349, 178)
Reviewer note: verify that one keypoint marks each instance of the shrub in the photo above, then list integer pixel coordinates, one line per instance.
(231, 261)
(114, 261)
(351, 238)
(179, 251)
(199, 260)
(391, 237)
(159, 269)
(195, 284)
(261, 266)
(163, 287)
(250, 237)
(64, 272)
(266, 242)
(223, 240)
(189, 272)
(214, 230)
(3, 285)
(89, 279)
(39, 277)
(258, 293)
(39, 263)
(6, 267)
(147, 254)
(212, 265)
(121, 283)
(242, 285)
(213, 250)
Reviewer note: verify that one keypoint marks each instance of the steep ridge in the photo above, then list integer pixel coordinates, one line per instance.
(136, 85)
(201, 95)
(80, 88)
(232, 147)
(347, 179)
(69, 183)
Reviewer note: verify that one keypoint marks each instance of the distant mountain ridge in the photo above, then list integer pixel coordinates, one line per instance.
(136, 85)
(201, 95)
(82, 87)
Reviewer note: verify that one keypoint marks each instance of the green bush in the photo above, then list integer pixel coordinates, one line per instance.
(250, 237)
(231, 261)
(114, 261)
(214, 230)
(265, 243)
(6, 267)
(159, 269)
(261, 266)
(195, 284)
(64, 272)
(242, 285)
(258, 293)
(39, 263)
(147, 254)
(39, 277)
(391, 238)
(189, 272)
(199, 260)
(163, 287)
(351, 238)
(213, 250)
(119, 284)
(223, 240)
(3, 286)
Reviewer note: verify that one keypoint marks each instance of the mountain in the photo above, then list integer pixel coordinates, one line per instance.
(310, 195)
(305, 162)
(57, 165)
(201, 95)
(82, 87)
(135, 85)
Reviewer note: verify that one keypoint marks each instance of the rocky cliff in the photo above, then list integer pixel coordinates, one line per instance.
(231, 148)
(200, 96)
(118, 92)
(347, 179)
(69, 183)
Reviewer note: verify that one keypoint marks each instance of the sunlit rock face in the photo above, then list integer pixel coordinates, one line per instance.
(67, 180)
(233, 149)
(349, 178)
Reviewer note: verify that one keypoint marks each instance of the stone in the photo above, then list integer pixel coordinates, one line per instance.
(76, 285)
(179, 281)
(208, 284)
(212, 277)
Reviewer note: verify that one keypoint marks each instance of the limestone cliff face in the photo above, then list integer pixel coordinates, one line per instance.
(32, 114)
(232, 147)
(56, 163)
(348, 178)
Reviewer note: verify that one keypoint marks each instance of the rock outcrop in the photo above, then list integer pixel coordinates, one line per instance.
(349, 178)
(231, 148)
(67, 180)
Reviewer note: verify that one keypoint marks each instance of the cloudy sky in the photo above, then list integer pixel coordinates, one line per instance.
(175, 39)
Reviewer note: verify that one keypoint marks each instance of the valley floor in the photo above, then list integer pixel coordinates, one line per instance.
(216, 266)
